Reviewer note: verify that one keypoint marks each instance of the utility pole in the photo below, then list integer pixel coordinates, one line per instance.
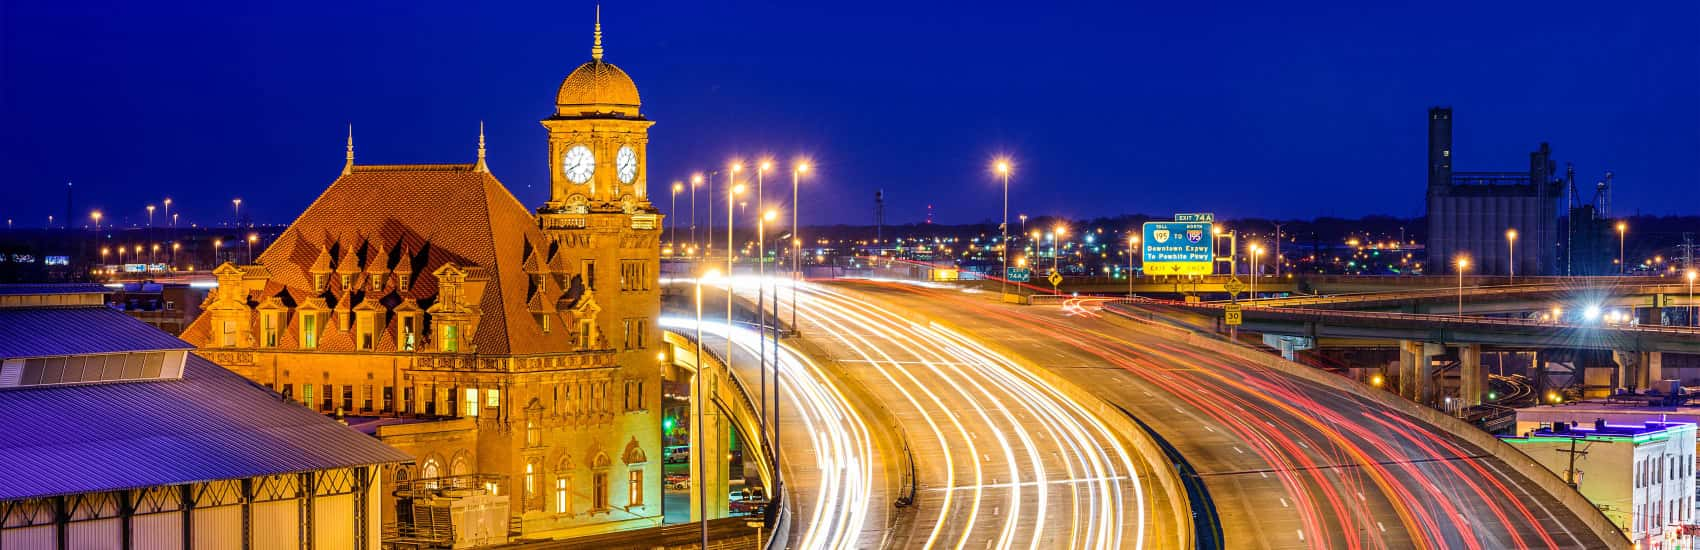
(1570, 472)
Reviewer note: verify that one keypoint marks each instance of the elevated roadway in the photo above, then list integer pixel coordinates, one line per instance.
(1289, 461)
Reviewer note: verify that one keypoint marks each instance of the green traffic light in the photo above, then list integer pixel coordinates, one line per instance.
(667, 424)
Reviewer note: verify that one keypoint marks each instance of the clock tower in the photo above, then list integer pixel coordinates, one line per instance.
(597, 141)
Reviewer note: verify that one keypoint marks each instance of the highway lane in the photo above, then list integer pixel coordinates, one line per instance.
(838, 497)
(1003, 460)
(1290, 464)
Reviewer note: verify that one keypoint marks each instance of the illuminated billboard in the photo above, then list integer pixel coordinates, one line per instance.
(1178, 248)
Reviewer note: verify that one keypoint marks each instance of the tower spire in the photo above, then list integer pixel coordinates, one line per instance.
(481, 167)
(348, 166)
(596, 50)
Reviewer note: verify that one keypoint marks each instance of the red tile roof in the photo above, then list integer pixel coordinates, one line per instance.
(415, 219)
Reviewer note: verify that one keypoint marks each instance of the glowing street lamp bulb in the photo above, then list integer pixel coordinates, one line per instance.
(1621, 227)
(677, 187)
(1511, 234)
(737, 167)
(1692, 275)
(736, 189)
(770, 215)
(803, 168)
(766, 165)
(1002, 167)
(1463, 263)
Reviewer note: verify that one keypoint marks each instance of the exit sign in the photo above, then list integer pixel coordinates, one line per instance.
(1199, 217)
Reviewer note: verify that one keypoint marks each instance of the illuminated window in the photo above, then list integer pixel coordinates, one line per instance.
(451, 338)
(492, 398)
(472, 402)
(634, 488)
(307, 394)
(228, 335)
(530, 481)
(404, 333)
(364, 330)
(563, 504)
(268, 329)
(309, 331)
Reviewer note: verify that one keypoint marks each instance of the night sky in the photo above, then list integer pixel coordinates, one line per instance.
(1262, 109)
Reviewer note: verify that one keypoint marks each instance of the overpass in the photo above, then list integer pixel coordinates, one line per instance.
(1571, 296)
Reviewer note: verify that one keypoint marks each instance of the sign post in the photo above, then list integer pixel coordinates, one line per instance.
(1018, 274)
(1231, 315)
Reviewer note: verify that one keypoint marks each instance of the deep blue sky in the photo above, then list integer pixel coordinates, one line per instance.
(1261, 109)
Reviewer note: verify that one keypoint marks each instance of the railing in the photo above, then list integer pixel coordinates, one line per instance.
(1453, 320)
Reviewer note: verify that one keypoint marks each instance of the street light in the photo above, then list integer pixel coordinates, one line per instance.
(797, 172)
(1511, 248)
(761, 324)
(96, 216)
(167, 212)
(1622, 229)
(174, 247)
(1252, 270)
(1691, 276)
(1002, 168)
(673, 234)
(217, 244)
(251, 238)
(1132, 244)
(1056, 244)
(153, 254)
(696, 180)
(700, 453)
(1462, 263)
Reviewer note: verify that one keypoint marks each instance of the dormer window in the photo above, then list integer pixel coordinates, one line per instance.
(451, 338)
(227, 334)
(364, 330)
(310, 331)
(543, 322)
(405, 329)
(402, 280)
(269, 328)
(319, 280)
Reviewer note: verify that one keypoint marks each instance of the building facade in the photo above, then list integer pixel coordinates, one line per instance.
(1640, 475)
(1471, 214)
(426, 303)
(117, 437)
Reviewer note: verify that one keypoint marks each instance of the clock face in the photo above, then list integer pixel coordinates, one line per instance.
(578, 164)
(626, 163)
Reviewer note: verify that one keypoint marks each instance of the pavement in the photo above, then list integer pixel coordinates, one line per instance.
(1288, 463)
(1001, 459)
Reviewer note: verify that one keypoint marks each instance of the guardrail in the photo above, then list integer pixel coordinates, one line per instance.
(1445, 320)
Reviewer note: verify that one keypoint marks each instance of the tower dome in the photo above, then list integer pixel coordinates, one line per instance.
(597, 87)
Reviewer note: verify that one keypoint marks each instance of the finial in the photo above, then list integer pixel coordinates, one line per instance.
(481, 167)
(348, 167)
(596, 50)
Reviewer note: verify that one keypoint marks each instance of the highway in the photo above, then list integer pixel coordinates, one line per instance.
(1289, 463)
(1003, 460)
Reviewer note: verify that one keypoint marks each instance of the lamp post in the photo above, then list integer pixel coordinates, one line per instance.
(796, 240)
(1691, 276)
(696, 180)
(217, 244)
(761, 325)
(1462, 263)
(1622, 229)
(153, 253)
(96, 216)
(1002, 167)
(251, 238)
(1252, 270)
(1511, 252)
(732, 191)
(167, 212)
(103, 252)
(174, 247)
(1056, 248)
(1132, 243)
(673, 229)
(700, 452)
(236, 209)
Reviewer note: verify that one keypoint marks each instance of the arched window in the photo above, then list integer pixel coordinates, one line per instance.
(430, 471)
(460, 466)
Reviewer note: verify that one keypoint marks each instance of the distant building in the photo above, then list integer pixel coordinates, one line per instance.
(510, 352)
(169, 307)
(1640, 475)
(115, 436)
(1469, 213)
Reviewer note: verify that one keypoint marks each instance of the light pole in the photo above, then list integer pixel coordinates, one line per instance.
(673, 229)
(696, 180)
(174, 247)
(96, 216)
(796, 241)
(1622, 229)
(1691, 276)
(103, 252)
(153, 253)
(251, 238)
(761, 325)
(1463, 263)
(1132, 243)
(217, 245)
(1253, 270)
(167, 212)
(1002, 167)
(732, 191)
(1511, 252)
(236, 208)
(700, 452)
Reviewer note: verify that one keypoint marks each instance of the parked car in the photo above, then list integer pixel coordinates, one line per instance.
(677, 481)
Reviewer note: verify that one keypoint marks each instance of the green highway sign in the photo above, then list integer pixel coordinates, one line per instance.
(1205, 217)
(1178, 248)
(1018, 274)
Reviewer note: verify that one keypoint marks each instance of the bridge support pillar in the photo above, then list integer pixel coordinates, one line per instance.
(1638, 370)
(1472, 379)
(716, 443)
(1416, 370)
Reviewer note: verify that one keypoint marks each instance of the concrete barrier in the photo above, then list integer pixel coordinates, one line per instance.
(1547, 480)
